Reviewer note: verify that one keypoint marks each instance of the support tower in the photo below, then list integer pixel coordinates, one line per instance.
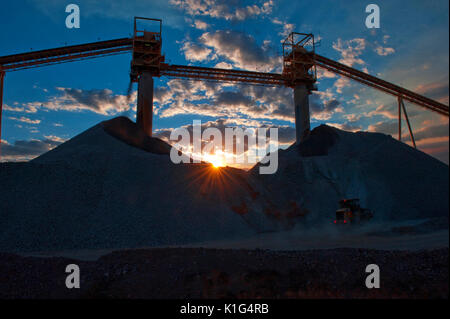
(146, 64)
(299, 72)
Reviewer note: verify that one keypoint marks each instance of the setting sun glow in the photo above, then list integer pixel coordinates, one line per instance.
(216, 160)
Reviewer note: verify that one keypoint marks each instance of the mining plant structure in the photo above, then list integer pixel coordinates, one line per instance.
(300, 62)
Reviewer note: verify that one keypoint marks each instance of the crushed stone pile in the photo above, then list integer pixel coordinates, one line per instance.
(389, 177)
(114, 187)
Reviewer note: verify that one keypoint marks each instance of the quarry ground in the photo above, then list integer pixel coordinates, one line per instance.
(329, 263)
(230, 273)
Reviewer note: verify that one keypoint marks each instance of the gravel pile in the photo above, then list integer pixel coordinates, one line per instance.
(98, 191)
(113, 187)
(391, 178)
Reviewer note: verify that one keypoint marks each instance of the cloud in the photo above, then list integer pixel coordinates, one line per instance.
(385, 111)
(220, 124)
(425, 131)
(241, 50)
(323, 106)
(233, 101)
(434, 90)
(287, 27)
(194, 52)
(27, 108)
(223, 65)
(75, 100)
(390, 111)
(341, 83)
(383, 51)
(28, 149)
(25, 120)
(324, 73)
(351, 117)
(230, 98)
(6, 107)
(346, 126)
(286, 134)
(223, 9)
(350, 51)
(225, 100)
(55, 138)
(430, 132)
(201, 25)
(98, 101)
(431, 139)
(161, 95)
(386, 127)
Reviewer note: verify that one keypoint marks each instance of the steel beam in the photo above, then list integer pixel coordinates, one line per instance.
(68, 53)
(204, 73)
(144, 118)
(102, 48)
(382, 85)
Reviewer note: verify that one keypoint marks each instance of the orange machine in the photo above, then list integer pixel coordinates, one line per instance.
(350, 212)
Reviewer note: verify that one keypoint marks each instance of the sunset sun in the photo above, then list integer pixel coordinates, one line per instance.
(216, 160)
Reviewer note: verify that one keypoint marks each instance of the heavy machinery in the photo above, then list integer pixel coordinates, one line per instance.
(350, 212)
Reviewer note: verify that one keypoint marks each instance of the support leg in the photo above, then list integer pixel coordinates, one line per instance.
(2, 76)
(301, 105)
(409, 125)
(144, 115)
(399, 100)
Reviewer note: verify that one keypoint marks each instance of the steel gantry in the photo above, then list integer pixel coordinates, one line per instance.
(299, 72)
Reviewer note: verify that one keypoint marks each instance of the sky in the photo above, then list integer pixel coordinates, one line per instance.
(46, 106)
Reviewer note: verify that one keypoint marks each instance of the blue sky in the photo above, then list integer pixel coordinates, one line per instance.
(45, 106)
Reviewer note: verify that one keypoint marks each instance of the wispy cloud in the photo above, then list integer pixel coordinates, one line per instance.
(383, 51)
(223, 9)
(435, 90)
(24, 119)
(350, 50)
(103, 102)
(22, 150)
(201, 25)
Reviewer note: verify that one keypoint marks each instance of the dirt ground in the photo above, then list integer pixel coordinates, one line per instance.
(224, 273)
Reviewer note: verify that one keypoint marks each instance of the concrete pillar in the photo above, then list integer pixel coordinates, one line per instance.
(301, 104)
(144, 115)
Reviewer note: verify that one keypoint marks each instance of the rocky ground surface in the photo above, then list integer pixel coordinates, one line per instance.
(214, 273)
